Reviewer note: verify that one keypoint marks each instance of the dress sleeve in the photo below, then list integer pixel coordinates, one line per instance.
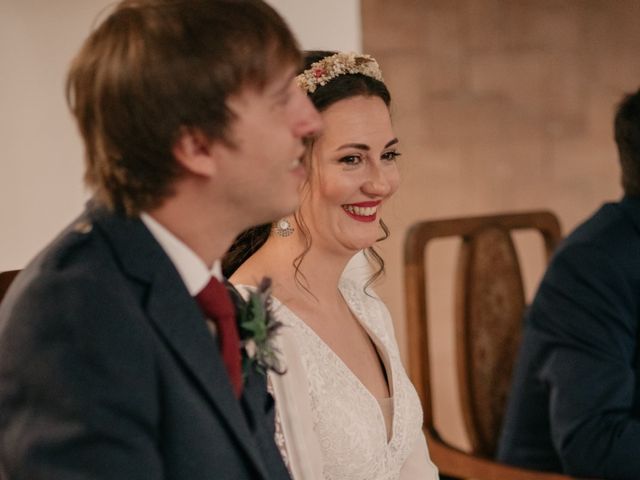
(295, 436)
(418, 465)
(279, 434)
(384, 314)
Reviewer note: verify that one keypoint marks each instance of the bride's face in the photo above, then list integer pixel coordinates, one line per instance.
(354, 172)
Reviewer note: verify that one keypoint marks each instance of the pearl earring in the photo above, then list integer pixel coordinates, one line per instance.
(283, 227)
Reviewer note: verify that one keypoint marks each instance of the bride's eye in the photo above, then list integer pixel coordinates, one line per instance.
(351, 160)
(391, 156)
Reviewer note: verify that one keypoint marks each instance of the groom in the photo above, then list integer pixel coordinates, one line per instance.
(115, 363)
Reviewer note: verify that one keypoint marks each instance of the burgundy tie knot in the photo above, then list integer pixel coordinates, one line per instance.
(216, 304)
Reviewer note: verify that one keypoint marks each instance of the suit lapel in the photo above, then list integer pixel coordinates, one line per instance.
(178, 319)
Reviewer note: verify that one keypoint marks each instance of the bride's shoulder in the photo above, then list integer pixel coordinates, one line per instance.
(359, 292)
(366, 304)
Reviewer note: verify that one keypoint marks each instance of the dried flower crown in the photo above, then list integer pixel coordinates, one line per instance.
(325, 70)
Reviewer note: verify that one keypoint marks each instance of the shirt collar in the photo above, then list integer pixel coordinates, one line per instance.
(194, 272)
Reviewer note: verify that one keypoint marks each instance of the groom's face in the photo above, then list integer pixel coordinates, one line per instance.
(263, 169)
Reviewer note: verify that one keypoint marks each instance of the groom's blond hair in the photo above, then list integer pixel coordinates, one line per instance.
(154, 69)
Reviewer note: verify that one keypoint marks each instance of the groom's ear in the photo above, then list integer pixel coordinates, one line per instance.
(195, 152)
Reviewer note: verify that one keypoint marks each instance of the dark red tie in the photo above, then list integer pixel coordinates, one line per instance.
(215, 302)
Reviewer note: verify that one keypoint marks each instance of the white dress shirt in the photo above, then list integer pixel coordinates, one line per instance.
(194, 272)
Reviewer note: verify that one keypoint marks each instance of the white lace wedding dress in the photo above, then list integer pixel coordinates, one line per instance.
(329, 426)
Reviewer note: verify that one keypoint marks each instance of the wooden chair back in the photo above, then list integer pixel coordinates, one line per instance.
(488, 308)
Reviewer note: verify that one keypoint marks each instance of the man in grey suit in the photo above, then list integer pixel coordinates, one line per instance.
(110, 368)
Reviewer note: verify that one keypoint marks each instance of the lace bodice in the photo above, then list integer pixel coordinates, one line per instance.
(345, 418)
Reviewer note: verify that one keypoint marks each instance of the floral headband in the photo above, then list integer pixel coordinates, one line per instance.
(323, 71)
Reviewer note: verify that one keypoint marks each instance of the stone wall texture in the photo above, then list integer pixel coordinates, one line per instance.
(500, 105)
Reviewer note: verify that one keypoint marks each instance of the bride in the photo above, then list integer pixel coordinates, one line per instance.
(345, 408)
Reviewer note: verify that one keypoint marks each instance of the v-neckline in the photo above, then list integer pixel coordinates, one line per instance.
(380, 351)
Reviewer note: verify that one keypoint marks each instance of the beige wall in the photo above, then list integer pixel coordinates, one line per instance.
(40, 152)
(500, 105)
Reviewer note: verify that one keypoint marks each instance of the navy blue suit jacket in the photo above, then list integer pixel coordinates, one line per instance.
(108, 370)
(575, 403)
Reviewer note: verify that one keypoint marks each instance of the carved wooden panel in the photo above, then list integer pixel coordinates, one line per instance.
(490, 303)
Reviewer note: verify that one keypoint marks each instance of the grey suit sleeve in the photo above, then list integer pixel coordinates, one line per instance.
(76, 383)
(587, 310)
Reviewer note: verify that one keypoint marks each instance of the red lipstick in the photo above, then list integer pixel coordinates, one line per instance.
(362, 211)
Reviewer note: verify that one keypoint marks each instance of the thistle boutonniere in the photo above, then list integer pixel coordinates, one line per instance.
(258, 328)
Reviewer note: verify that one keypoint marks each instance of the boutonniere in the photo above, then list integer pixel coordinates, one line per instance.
(258, 328)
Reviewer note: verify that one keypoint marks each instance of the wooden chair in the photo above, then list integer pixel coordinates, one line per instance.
(5, 280)
(488, 307)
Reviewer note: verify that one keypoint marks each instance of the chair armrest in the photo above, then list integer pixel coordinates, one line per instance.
(454, 462)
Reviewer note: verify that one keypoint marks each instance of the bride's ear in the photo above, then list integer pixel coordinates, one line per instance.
(195, 152)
